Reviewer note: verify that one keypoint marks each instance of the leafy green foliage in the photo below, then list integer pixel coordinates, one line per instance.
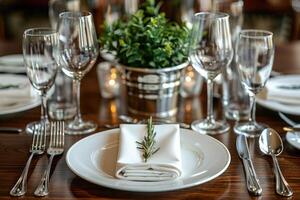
(147, 39)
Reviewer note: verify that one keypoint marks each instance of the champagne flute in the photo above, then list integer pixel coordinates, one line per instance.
(254, 57)
(79, 51)
(41, 54)
(210, 51)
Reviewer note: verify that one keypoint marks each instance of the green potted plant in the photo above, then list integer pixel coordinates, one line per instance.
(152, 52)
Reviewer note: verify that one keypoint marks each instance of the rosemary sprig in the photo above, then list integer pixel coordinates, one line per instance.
(148, 144)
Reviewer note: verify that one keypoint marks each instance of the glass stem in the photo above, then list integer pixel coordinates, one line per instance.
(44, 116)
(78, 118)
(252, 108)
(210, 87)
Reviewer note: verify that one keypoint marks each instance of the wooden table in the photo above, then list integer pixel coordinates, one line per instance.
(230, 185)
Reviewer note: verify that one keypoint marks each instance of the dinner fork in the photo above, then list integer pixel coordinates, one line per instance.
(56, 147)
(37, 147)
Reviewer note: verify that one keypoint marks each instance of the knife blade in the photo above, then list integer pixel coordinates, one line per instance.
(10, 130)
(252, 181)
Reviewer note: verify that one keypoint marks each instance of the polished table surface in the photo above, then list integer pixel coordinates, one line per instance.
(66, 185)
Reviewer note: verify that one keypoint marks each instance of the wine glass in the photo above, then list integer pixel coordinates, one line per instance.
(235, 10)
(254, 57)
(58, 6)
(235, 98)
(210, 51)
(41, 54)
(78, 51)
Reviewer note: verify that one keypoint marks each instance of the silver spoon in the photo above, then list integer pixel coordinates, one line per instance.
(270, 143)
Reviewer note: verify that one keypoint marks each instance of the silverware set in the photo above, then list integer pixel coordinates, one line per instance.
(270, 143)
(38, 147)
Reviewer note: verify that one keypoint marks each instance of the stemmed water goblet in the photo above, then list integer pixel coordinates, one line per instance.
(41, 54)
(210, 51)
(78, 51)
(254, 57)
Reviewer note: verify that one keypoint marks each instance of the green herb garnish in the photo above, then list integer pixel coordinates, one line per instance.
(148, 144)
(147, 39)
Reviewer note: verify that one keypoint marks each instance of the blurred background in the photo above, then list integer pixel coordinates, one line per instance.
(282, 17)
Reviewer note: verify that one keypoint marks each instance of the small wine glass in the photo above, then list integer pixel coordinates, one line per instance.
(235, 10)
(210, 51)
(41, 54)
(78, 51)
(254, 57)
(58, 6)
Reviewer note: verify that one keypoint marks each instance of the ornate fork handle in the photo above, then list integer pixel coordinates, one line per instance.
(20, 187)
(43, 187)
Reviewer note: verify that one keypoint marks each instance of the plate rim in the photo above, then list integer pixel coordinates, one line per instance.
(34, 102)
(287, 136)
(111, 131)
(14, 67)
(266, 103)
(19, 55)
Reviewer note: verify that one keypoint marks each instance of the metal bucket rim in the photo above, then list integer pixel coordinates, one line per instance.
(149, 70)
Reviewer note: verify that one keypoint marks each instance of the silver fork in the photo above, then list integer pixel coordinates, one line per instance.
(37, 147)
(56, 147)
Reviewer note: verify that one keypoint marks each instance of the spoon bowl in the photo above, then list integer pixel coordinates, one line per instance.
(270, 143)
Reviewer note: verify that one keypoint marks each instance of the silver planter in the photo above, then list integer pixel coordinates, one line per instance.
(153, 92)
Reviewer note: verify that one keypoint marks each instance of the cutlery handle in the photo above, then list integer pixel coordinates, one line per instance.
(20, 188)
(282, 187)
(251, 178)
(43, 187)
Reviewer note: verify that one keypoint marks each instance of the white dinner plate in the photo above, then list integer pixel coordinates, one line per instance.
(293, 139)
(276, 105)
(20, 106)
(12, 64)
(94, 159)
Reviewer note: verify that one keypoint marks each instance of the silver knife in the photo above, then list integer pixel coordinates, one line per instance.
(10, 130)
(253, 185)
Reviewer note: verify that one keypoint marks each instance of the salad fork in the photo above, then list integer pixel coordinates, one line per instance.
(37, 147)
(56, 147)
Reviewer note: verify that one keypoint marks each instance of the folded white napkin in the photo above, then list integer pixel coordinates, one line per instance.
(165, 164)
(284, 89)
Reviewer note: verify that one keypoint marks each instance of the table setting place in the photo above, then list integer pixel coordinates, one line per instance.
(148, 148)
